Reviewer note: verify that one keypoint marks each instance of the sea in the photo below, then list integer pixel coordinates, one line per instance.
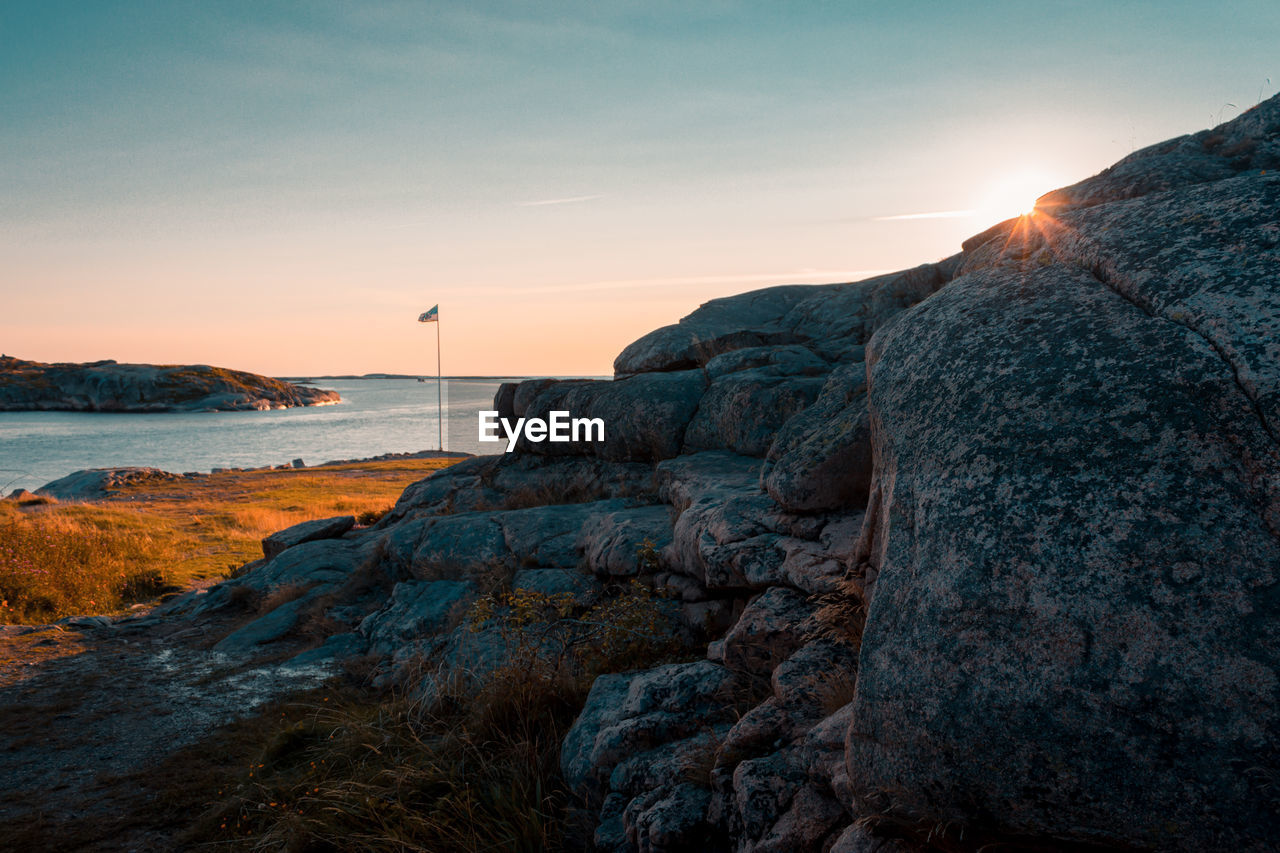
(376, 416)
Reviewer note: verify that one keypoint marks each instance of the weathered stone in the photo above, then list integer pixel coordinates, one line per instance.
(461, 487)
(525, 392)
(548, 535)
(322, 561)
(626, 542)
(459, 546)
(774, 625)
(810, 567)
(764, 729)
(504, 401)
(857, 839)
(705, 619)
(529, 480)
(727, 534)
(686, 478)
(821, 458)
(584, 588)
(645, 416)
(811, 820)
(307, 531)
(265, 629)
(334, 650)
(816, 678)
(1073, 546)
(603, 708)
(762, 790)
(792, 360)
(631, 712)
(513, 481)
(680, 761)
(417, 609)
(838, 321)
(743, 411)
(719, 326)
(670, 820)
(611, 833)
(97, 483)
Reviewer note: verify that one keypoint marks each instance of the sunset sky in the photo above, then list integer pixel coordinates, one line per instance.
(284, 187)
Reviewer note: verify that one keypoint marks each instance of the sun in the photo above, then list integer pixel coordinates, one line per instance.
(1014, 193)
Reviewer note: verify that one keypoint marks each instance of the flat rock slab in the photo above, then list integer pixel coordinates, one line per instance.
(95, 483)
(308, 531)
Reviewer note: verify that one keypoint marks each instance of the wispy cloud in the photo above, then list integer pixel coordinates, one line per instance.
(936, 214)
(570, 200)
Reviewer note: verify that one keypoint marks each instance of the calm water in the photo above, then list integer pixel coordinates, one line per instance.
(375, 416)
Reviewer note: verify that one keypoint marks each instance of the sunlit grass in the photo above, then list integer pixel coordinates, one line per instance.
(62, 559)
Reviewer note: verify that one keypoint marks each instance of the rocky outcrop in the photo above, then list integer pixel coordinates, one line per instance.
(105, 386)
(307, 531)
(95, 483)
(988, 547)
(1097, 515)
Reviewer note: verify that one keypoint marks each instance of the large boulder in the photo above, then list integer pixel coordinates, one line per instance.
(625, 542)
(719, 326)
(415, 610)
(1073, 535)
(821, 458)
(512, 481)
(742, 411)
(644, 416)
(830, 321)
(306, 531)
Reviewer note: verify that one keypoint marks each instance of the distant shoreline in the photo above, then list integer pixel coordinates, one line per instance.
(311, 379)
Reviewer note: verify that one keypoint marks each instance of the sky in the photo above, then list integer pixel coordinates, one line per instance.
(283, 187)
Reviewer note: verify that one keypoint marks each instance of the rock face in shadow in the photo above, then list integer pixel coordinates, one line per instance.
(988, 545)
(105, 386)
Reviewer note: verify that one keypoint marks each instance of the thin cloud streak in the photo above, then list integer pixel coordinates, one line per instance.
(937, 214)
(571, 200)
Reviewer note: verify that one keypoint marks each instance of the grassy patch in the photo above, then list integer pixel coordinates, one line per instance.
(54, 564)
(63, 559)
(476, 768)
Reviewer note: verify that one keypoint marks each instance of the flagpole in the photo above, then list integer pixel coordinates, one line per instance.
(439, 399)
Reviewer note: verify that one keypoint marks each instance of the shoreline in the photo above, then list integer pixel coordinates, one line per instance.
(89, 484)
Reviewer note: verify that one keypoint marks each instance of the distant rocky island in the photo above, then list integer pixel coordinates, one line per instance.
(107, 386)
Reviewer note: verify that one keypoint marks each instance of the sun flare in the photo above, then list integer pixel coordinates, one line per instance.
(1015, 193)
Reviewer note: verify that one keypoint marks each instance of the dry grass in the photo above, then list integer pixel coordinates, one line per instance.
(60, 559)
(54, 563)
(475, 769)
(471, 773)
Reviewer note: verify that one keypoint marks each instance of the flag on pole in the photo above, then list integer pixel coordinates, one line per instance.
(431, 316)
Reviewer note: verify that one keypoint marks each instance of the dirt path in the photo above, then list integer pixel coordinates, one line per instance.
(86, 713)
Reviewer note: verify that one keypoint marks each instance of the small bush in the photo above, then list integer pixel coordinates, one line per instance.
(370, 517)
